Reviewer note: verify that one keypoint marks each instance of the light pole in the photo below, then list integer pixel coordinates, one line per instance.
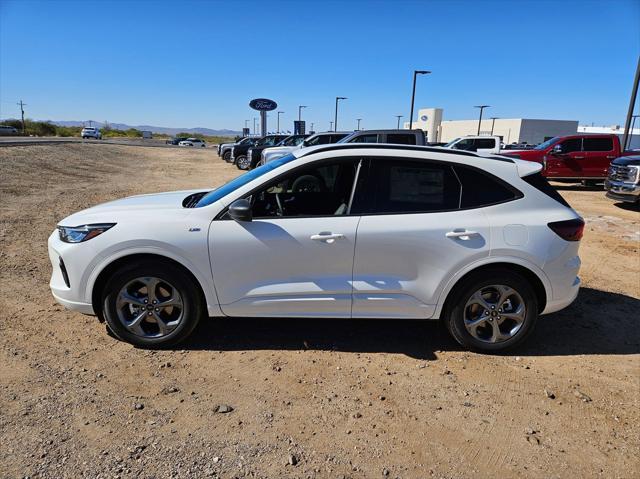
(311, 128)
(482, 107)
(335, 120)
(633, 124)
(358, 120)
(246, 124)
(493, 123)
(398, 117)
(330, 126)
(254, 125)
(279, 113)
(632, 105)
(300, 112)
(413, 94)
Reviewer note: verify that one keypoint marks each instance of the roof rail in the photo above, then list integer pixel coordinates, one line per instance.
(390, 146)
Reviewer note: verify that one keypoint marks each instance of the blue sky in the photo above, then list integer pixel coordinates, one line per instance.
(198, 63)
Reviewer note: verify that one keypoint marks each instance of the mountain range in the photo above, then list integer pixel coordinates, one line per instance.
(154, 129)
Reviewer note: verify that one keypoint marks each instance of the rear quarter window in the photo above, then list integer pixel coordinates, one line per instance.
(541, 184)
(483, 189)
(598, 144)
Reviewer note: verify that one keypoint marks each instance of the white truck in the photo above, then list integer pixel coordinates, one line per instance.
(480, 144)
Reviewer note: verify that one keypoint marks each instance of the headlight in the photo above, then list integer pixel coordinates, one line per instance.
(634, 173)
(78, 234)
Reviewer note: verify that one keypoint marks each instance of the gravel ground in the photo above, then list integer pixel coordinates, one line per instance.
(301, 398)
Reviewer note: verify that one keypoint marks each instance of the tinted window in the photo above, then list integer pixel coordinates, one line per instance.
(365, 139)
(337, 138)
(405, 186)
(482, 189)
(540, 183)
(485, 143)
(401, 139)
(322, 190)
(572, 144)
(598, 144)
(467, 145)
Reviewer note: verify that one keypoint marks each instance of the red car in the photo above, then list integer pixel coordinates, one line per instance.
(574, 157)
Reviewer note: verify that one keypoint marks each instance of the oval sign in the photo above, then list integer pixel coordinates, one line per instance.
(424, 117)
(263, 104)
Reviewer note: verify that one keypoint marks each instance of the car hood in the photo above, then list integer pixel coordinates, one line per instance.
(531, 155)
(132, 206)
(628, 160)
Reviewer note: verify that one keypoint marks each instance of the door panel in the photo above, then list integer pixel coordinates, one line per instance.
(272, 267)
(403, 261)
(569, 163)
(599, 154)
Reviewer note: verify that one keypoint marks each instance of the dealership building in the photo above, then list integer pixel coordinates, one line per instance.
(510, 130)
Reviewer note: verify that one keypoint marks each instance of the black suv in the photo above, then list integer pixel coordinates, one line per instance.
(239, 153)
(254, 155)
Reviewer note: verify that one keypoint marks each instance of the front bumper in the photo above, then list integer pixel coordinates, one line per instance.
(622, 191)
(69, 292)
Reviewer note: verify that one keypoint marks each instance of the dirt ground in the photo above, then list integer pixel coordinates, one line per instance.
(310, 398)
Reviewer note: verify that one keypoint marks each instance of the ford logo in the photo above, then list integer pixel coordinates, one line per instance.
(263, 104)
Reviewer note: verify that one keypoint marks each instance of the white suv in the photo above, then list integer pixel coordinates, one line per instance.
(91, 132)
(341, 231)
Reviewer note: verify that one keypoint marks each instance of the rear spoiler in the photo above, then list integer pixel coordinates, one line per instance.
(526, 168)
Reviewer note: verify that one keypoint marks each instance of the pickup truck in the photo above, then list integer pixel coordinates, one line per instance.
(479, 144)
(623, 183)
(575, 157)
(224, 149)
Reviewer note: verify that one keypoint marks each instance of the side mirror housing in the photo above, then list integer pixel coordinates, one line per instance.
(556, 150)
(240, 210)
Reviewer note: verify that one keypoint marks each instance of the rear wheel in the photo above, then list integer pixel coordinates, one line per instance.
(243, 162)
(492, 310)
(226, 156)
(152, 304)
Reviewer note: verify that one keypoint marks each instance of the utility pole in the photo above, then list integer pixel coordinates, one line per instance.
(335, 122)
(358, 120)
(21, 104)
(632, 104)
(398, 117)
(482, 107)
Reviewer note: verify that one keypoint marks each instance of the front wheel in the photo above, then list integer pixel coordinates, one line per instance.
(243, 162)
(226, 156)
(152, 304)
(492, 311)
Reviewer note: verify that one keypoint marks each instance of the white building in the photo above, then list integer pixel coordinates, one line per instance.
(634, 142)
(511, 130)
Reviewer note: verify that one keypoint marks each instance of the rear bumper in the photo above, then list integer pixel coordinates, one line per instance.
(558, 304)
(621, 191)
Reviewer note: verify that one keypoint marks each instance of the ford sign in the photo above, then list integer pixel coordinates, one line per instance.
(262, 104)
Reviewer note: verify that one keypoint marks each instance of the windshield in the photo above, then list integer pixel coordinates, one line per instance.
(448, 145)
(236, 183)
(291, 141)
(546, 144)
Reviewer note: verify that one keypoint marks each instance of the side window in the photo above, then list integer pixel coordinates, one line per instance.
(411, 186)
(598, 144)
(467, 145)
(485, 143)
(365, 139)
(482, 189)
(401, 139)
(570, 145)
(324, 140)
(337, 138)
(322, 190)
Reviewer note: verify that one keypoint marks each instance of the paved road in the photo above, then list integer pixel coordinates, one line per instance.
(22, 140)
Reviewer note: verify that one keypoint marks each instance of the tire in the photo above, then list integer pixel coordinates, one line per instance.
(460, 316)
(243, 162)
(226, 156)
(178, 320)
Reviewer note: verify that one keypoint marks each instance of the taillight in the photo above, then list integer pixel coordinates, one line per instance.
(568, 230)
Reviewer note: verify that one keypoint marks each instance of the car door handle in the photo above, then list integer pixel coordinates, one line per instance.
(463, 235)
(579, 157)
(327, 237)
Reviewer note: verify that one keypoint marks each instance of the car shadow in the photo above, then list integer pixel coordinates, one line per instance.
(598, 322)
(628, 206)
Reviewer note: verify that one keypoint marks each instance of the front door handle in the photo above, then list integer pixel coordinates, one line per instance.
(463, 235)
(327, 237)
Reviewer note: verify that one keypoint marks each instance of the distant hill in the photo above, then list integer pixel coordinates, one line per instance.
(154, 129)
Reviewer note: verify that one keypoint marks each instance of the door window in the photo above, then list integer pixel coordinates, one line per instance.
(401, 139)
(598, 144)
(365, 139)
(467, 145)
(571, 145)
(320, 190)
(410, 186)
(485, 143)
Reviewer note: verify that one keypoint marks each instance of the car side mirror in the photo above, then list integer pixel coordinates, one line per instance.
(556, 150)
(240, 210)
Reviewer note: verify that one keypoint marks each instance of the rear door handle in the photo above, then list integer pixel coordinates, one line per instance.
(463, 235)
(327, 237)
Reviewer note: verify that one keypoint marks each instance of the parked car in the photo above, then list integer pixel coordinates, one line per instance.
(91, 132)
(8, 130)
(239, 153)
(323, 138)
(575, 157)
(480, 144)
(197, 142)
(398, 137)
(224, 146)
(484, 243)
(254, 154)
(623, 182)
(175, 140)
